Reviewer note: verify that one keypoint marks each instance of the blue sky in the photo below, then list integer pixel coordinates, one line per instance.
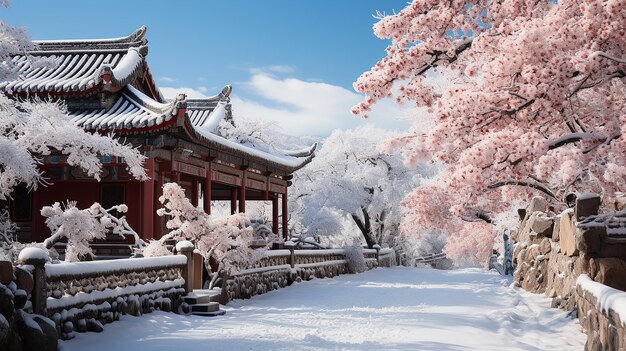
(292, 62)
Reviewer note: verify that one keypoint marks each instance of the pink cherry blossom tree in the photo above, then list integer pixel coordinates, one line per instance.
(227, 239)
(535, 105)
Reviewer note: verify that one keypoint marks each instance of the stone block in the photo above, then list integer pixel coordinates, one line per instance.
(23, 280)
(556, 229)
(589, 240)
(609, 271)
(587, 205)
(567, 234)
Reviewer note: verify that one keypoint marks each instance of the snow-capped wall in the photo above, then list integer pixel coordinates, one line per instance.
(602, 313)
(83, 296)
(281, 268)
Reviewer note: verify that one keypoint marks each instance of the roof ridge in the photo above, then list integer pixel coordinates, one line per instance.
(135, 39)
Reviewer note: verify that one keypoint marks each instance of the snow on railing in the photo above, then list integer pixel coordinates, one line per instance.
(607, 298)
(95, 292)
(280, 268)
(431, 258)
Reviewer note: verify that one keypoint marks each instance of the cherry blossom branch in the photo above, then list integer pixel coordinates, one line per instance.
(606, 56)
(576, 137)
(438, 55)
(536, 186)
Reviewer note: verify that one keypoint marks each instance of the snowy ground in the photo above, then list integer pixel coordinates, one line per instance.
(384, 309)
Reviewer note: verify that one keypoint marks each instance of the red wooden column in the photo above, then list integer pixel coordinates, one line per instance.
(242, 193)
(175, 177)
(285, 216)
(194, 193)
(207, 192)
(233, 200)
(275, 215)
(147, 202)
(157, 220)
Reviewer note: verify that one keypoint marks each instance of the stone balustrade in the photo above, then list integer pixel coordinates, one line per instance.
(83, 296)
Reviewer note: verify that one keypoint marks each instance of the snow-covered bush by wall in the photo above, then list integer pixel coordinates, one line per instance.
(227, 239)
(355, 258)
(80, 227)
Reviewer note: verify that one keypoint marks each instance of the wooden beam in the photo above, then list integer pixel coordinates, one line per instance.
(175, 177)
(233, 200)
(147, 202)
(207, 191)
(242, 193)
(285, 216)
(157, 220)
(275, 215)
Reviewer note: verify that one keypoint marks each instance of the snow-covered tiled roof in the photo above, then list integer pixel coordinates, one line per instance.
(78, 65)
(131, 110)
(81, 65)
(203, 118)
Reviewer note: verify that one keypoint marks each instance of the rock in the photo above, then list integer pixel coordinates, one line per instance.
(23, 280)
(521, 212)
(94, 326)
(7, 306)
(609, 271)
(545, 247)
(589, 240)
(41, 336)
(81, 326)
(6, 272)
(567, 234)
(538, 203)
(556, 228)
(587, 205)
(541, 224)
(19, 299)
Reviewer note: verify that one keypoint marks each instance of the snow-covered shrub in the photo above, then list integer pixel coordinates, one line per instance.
(7, 228)
(227, 239)
(355, 258)
(155, 249)
(80, 227)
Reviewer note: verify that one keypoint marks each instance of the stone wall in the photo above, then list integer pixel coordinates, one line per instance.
(83, 296)
(553, 251)
(600, 315)
(282, 268)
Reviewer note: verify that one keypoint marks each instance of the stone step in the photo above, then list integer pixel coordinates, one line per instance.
(205, 307)
(198, 299)
(202, 296)
(209, 314)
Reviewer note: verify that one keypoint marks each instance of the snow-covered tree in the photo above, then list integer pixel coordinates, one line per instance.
(80, 227)
(227, 239)
(350, 177)
(35, 128)
(536, 105)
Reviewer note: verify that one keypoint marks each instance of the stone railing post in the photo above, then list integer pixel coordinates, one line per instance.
(37, 258)
(377, 248)
(186, 248)
(290, 245)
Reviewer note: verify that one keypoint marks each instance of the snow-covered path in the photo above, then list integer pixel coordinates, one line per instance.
(384, 309)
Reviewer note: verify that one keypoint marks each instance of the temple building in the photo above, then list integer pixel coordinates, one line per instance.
(108, 87)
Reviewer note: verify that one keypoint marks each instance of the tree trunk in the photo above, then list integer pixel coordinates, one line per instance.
(365, 227)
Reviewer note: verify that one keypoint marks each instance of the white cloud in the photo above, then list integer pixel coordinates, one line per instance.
(167, 79)
(311, 108)
(301, 107)
(280, 69)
